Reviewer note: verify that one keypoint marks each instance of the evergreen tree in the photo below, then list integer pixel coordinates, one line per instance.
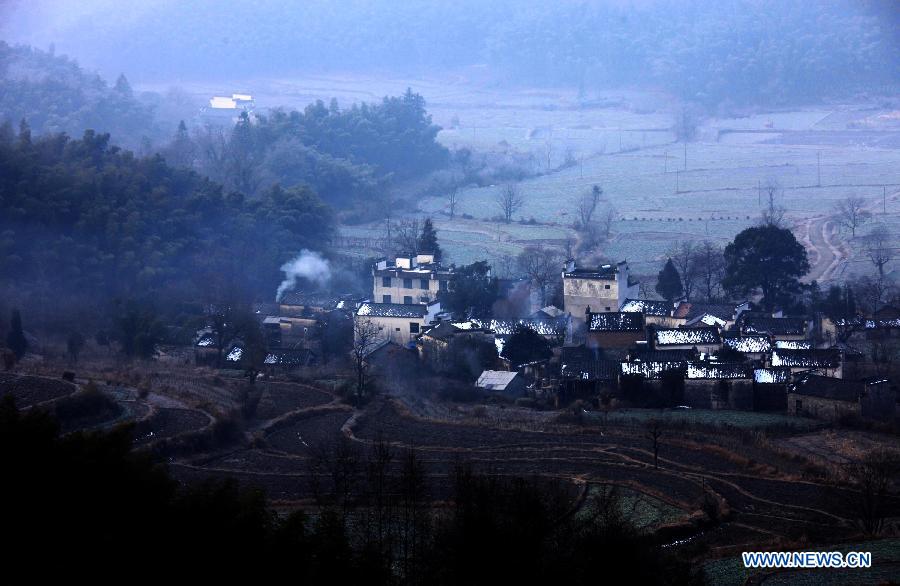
(765, 258)
(123, 87)
(15, 339)
(525, 346)
(668, 282)
(428, 242)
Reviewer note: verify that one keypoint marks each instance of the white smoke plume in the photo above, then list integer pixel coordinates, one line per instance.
(308, 265)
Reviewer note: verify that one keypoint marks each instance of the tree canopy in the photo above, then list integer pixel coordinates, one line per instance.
(83, 222)
(525, 346)
(668, 282)
(765, 258)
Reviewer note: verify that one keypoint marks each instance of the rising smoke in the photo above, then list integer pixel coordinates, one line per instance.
(307, 265)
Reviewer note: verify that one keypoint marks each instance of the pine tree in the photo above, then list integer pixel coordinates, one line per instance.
(122, 86)
(428, 242)
(668, 282)
(15, 339)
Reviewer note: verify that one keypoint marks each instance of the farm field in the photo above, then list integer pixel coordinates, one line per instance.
(623, 141)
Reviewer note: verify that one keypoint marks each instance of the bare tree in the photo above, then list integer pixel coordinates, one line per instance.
(873, 293)
(654, 433)
(608, 217)
(773, 214)
(452, 200)
(710, 268)
(542, 266)
(588, 205)
(684, 257)
(406, 236)
(509, 200)
(850, 213)
(366, 337)
(872, 477)
(878, 248)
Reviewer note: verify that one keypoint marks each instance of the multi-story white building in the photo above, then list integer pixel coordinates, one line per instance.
(409, 280)
(601, 289)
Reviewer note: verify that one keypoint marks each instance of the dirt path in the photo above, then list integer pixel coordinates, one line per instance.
(828, 251)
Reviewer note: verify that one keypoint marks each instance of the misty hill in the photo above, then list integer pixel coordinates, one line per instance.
(83, 223)
(53, 94)
(348, 156)
(763, 52)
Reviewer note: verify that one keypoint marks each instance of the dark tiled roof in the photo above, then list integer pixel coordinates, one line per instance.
(442, 331)
(615, 321)
(580, 362)
(806, 358)
(827, 387)
(686, 336)
(777, 326)
(647, 307)
(724, 312)
(648, 355)
(302, 357)
(602, 272)
(651, 369)
(717, 371)
(749, 344)
(307, 299)
(392, 310)
(772, 376)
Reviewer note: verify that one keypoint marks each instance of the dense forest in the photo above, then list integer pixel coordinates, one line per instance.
(83, 223)
(761, 52)
(348, 156)
(54, 94)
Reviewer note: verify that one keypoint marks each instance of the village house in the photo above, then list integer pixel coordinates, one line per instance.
(397, 322)
(285, 361)
(717, 385)
(651, 364)
(704, 339)
(434, 345)
(585, 372)
(614, 330)
(831, 398)
(770, 389)
(410, 280)
(656, 312)
(778, 328)
(826, 362)
(721, 315)
(603, 288)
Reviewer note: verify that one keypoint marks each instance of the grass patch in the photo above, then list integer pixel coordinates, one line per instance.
(710, 418)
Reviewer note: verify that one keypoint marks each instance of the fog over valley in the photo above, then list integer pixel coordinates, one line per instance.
(466, 292)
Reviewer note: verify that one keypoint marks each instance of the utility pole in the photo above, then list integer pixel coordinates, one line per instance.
(818, 168)
(685, 153)
(677, 172)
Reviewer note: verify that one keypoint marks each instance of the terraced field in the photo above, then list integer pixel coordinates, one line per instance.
(765, 504)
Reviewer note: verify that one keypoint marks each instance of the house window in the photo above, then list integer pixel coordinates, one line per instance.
(407, 283)
(385, 281)
(413, 327)
(606, 286)
(385, 298)
(607, 309)
(396, 329)
(407, 299)
(798, 406)
(423, 284)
